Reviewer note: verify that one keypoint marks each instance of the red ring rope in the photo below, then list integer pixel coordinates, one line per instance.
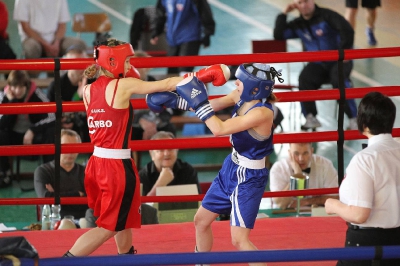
(182, 198)
(331, 94)
(182, 143)
(205, 60)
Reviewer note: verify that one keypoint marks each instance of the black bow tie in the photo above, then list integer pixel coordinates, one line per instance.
(307, 170)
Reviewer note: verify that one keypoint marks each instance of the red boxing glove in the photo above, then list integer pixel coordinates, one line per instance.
(132, 73)
(217, 74)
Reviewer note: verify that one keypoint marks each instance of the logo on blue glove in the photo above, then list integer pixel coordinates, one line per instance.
(194, 93)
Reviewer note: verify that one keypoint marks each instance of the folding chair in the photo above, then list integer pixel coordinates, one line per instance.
(91, 22)
(272, 46)
(97, 23)
(176, 212)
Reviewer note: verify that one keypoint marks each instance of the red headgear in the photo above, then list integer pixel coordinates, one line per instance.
(132, 73)
(112, 58)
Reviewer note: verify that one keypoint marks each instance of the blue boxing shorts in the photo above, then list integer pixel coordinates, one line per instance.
(237, 190)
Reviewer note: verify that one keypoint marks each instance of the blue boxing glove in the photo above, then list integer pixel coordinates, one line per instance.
(159, 100)
(195, 93)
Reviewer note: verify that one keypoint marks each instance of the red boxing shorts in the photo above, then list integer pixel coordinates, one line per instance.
(113, 192)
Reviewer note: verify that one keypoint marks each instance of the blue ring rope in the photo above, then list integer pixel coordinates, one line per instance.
(357, 253)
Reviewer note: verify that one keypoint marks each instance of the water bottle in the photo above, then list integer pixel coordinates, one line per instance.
(55, 216)
(46, 217)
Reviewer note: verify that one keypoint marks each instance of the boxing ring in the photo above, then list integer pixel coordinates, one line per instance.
(279, 239)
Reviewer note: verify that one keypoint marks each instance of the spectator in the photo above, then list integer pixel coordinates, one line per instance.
(72, 83)
(42, 26)
(72, 176)
(319, 29)
(301, 160)
(188, 23)
(166, 169)
(370, 193)
(142, 23)
(371, 14)
(16, 129)
(5, 50)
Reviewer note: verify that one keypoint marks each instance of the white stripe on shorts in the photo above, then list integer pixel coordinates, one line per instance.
(235, 208)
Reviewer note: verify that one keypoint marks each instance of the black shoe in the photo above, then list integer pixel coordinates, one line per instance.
(131, 251)
(5, 182)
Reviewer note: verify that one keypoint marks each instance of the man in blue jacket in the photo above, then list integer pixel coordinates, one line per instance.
(188, 25)
(319, 29)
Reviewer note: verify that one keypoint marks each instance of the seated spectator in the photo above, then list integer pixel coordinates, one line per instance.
(42, 26)
(73, 80)
(318, 29)
(166, 169)
(72, 83)
(301, 160)
(6, 51)
(72, 176)
(18, 129)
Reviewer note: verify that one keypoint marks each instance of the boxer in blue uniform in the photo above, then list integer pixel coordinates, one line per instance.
(238, 188)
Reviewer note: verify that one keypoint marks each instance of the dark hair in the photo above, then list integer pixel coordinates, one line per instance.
(111, 42)
(19, 78)
(377, 112)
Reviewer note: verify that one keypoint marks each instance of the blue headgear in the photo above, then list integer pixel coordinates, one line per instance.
(258, 80)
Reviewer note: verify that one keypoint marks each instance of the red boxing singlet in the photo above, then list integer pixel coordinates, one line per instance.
(111, 178)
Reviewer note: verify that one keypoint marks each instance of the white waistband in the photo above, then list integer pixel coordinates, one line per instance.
(246, 162)
(112, 153)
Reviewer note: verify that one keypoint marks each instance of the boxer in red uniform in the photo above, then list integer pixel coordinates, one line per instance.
(111, 180)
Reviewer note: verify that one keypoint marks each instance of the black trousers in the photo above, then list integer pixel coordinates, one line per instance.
(314, 75)
(184, 49)
(371, 237)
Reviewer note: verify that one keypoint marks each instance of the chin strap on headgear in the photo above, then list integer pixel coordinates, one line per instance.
(112, 58)
(258, 80)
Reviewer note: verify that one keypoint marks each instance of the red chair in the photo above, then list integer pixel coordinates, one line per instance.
(272, 46)
(268, 46)
(204, 186)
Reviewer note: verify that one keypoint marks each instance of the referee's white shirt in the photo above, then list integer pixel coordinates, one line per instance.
(372, 181)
